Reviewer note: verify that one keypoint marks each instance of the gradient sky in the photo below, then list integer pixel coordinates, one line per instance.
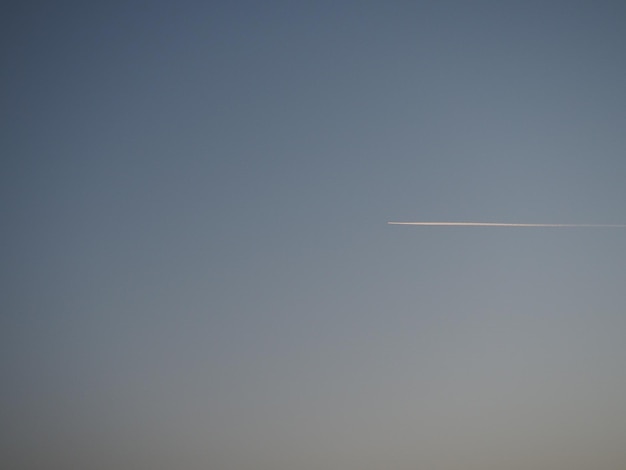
(196, 268)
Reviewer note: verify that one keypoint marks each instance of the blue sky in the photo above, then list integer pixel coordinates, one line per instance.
(197, 267)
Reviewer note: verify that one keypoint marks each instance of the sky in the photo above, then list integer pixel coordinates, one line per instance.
(197, 270)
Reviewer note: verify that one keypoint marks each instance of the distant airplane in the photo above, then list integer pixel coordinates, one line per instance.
(492, 224)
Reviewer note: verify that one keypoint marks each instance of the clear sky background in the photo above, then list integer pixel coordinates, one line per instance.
(196, 267)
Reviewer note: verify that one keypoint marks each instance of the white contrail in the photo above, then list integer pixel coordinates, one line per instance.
(490, 224)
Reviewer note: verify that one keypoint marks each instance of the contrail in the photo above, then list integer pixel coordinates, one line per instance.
(490, 224)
